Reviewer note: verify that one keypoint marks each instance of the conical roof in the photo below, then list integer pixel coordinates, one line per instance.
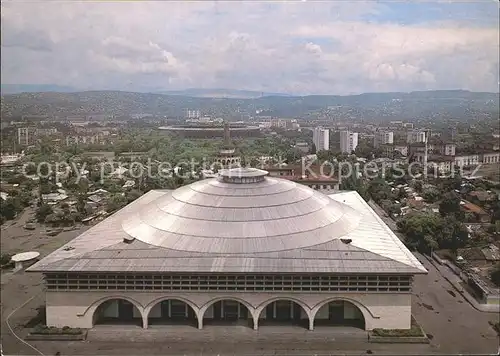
(244, 221)
(241, 212)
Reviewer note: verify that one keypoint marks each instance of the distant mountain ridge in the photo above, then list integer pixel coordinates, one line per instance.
(34, 88)
(444, 103)
(220, 93)
(192, 92)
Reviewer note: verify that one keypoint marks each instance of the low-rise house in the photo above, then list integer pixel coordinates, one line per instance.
(441, 163)
(491, 158)
(128, 184)
(318, 179)
(302, 147)
(467, 160)
(481, 195)
(10, 160)
(491, 253)
(95, 198)
(403, 149)
(416, 204)
(54, 198)
(481, 215)
(119, 172)
(99, 191)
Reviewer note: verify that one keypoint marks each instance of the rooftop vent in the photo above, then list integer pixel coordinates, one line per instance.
(243, 175)
(346, 241)
(128, 239)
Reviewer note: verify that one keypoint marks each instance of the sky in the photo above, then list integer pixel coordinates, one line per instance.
(295, 47)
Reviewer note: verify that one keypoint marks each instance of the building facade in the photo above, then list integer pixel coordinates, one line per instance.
(467, 160)
(26, 136)
(241, 249)
(491, 158)
(415, 136)
(348, 141)
(321, 139)
(207, 131)
(383, 138)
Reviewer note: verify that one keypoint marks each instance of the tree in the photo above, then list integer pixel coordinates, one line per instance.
(431, 195)
(367, 150)
(81, 201)
(451, 183)
(354, 183)
(421, 230)
(116, 202)
(495, 275)
(313, 149)
(401, 194)
(10, 207)
(45, 188)
(133, 195)
(431, 243)
(453, 234)
(42, 212)
(417, 185)
(450, 204)
(379, 190)
(496, 213)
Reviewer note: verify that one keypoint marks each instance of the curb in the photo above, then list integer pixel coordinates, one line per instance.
(56, 337)
(459, 290)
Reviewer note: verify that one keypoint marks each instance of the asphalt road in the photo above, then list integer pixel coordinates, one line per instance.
(456, 327)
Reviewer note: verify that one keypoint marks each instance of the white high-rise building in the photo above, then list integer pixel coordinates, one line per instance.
(348, 141)
(193, 114)
(383, 138)
(415, 136)
(321, 139)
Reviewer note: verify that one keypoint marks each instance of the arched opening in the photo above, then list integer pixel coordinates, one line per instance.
(339, 313)
(172, 311)
(284, 312)
(228, 312)
(117, 312)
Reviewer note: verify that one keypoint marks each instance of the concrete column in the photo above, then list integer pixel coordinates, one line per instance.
(311, 322)
(144, 320)
(255, 316)
(199, 316)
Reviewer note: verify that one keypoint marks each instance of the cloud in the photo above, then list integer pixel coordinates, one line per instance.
(300, 47)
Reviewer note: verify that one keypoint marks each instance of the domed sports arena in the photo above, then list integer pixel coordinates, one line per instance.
(242, 249)
(211, 131)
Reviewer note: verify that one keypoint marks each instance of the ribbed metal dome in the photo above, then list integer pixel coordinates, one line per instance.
(223, 216)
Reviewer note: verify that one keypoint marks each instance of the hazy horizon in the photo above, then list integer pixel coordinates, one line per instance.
(187, 91)
(294, 48)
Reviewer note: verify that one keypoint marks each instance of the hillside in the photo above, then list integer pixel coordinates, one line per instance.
(220, 93)
(459, 104)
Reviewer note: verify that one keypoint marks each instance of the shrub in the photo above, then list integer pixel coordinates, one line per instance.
(414, 331)
(5, 261)
(495, 275)
(52, 330)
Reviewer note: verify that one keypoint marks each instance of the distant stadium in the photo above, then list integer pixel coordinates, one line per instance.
(212, 130)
